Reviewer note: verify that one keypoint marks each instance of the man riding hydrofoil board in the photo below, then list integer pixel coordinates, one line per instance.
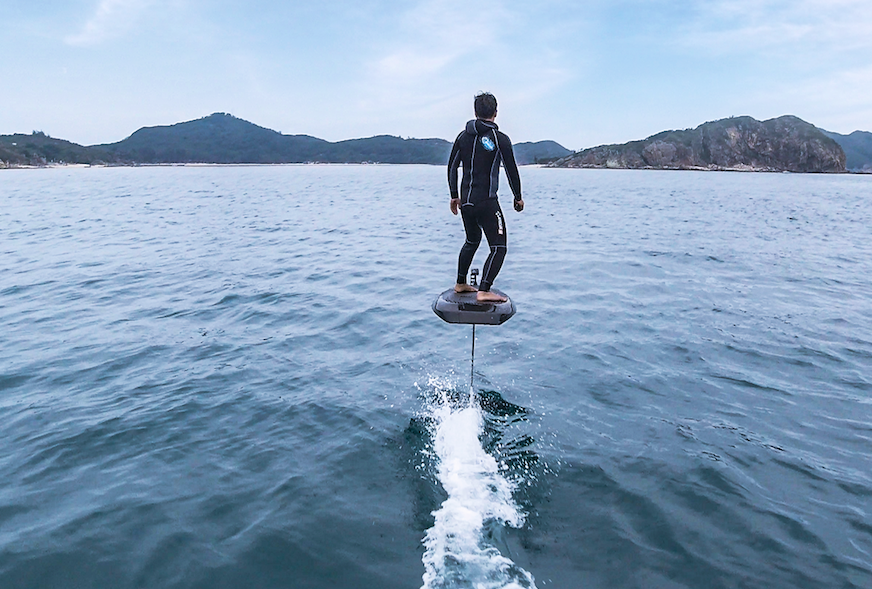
(480, 148)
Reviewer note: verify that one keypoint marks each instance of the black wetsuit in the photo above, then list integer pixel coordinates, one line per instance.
(480, 148)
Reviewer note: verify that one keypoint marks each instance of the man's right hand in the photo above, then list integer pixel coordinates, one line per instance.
(519, 205)
(454, 203)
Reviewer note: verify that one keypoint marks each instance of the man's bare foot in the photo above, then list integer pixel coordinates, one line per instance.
(486, 296)
(464, 288)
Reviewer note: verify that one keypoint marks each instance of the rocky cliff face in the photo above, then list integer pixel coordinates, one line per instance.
(739, 143)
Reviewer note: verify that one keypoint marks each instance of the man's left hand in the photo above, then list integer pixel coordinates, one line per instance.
(454, 204)
(519, 205)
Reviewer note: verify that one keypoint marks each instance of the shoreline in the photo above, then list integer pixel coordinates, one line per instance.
(743, 169)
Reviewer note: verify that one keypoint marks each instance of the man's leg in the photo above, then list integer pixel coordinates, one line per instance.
(494, 225)
(467, 252)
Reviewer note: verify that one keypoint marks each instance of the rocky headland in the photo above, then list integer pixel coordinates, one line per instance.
(783, 144)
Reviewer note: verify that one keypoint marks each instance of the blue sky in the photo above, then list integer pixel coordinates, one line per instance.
(581, 72)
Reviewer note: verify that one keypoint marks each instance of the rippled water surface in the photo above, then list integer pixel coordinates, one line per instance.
(231, 377)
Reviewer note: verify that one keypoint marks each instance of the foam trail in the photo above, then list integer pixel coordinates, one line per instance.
(457, 553)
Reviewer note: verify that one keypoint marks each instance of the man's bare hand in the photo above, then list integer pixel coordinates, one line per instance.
(519, 205)
(454, 203)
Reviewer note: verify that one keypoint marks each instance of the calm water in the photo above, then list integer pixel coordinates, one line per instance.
(231, 377)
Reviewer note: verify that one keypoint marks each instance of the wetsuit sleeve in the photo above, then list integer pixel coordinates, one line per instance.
(510, 166)
(453, 165)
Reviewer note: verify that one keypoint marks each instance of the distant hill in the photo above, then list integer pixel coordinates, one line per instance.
(38, 149)
(539, 152)
(387, 149)
(224, 139)
(738, 143)
(786, 143)
(218, 138)
(858, 149)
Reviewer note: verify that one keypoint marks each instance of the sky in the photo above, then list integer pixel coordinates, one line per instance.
(580, 72)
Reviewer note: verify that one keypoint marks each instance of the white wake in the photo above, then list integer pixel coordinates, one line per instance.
(457, 553)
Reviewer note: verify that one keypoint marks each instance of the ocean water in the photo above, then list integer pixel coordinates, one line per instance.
(231, 377)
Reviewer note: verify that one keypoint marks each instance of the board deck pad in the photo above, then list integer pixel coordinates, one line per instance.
(462, 307)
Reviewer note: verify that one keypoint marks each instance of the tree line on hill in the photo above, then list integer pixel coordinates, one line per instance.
(738, 143)
(224, 139)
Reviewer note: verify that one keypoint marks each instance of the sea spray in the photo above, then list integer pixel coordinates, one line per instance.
(457, 552)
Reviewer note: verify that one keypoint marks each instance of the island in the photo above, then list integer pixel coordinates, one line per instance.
(783, 144)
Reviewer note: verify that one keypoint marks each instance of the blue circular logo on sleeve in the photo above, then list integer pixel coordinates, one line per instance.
(488, 143)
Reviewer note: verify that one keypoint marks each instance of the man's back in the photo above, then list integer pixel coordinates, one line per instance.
(480, 148)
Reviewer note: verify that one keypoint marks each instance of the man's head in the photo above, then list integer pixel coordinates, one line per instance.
(485, 106)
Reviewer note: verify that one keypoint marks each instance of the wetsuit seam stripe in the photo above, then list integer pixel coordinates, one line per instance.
(471, 170)
(516, 189)
(497, 157)
(454, 164)
(489, 262)
(496, 163)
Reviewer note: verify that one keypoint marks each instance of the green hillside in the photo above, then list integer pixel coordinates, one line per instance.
(858, 149)
(38, 149)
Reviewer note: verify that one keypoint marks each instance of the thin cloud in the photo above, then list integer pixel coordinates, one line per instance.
(430, 38)
(729, 26)
(436, 59)
(839, 101)
(110, 20)
(416, 74)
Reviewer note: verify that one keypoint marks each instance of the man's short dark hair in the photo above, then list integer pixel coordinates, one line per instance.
(485, 105)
